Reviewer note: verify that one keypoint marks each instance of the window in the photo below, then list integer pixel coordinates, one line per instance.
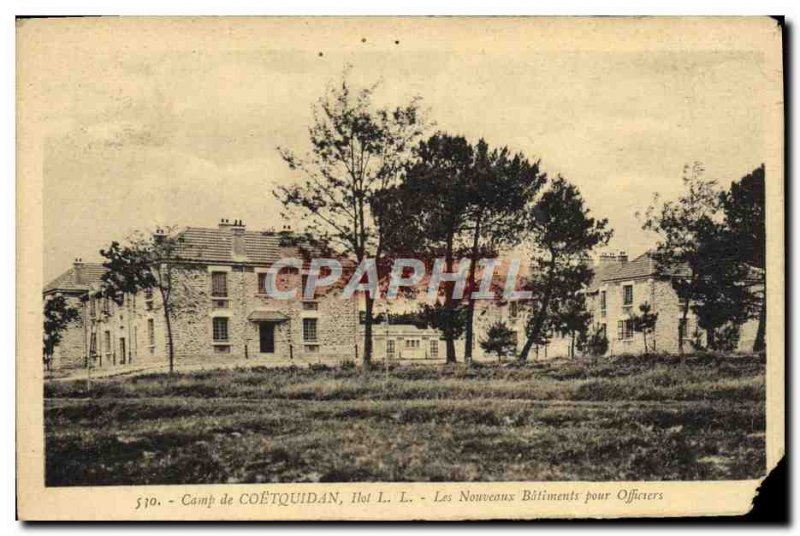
(627, 299)
(390, 348)
(220, 327)
(412, 343)
(107, 342)
(219, 284)
(93, 307)
(93, 345)
(434, 349)
(309, 330)
(151, 334)
(148, 299)
(310, 306)
(624, 330)
(262, 283)
(627, 295)
(603, 303)
(513, 310)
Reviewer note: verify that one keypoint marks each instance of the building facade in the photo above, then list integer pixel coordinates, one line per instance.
(619, 288)
(220, 308)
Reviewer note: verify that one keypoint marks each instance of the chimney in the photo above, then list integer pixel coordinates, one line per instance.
(612, 259)
(236, 229)
(77, 265)
(159, 235)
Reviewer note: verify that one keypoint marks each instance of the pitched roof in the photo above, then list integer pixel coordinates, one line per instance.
(204, 244)
(78, 278)
(641, 266)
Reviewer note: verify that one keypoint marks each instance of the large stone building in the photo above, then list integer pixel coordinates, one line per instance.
(220, 308)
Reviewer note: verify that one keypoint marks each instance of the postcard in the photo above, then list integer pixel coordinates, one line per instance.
(398, 268)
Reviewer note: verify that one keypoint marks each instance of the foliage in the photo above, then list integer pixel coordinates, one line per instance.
(679, 224)
(570, 316)
(147, 261)
(644, 322)
(500, 340)
(593, 342)
(58, 315)
(720, 294)
(449, 320)
(435, 194)
(561, 233)
(743, 205)
(357, 151)
(461, 200)
(712, 248)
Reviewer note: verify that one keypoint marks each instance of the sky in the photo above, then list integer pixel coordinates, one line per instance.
(151, 123)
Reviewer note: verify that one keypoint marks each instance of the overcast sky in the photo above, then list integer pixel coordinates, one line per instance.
(160, 125)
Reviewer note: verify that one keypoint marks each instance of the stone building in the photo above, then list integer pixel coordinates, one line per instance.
(220, 308)
(618, 289)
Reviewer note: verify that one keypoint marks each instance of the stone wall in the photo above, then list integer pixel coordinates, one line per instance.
(70, 351)
(194, 309)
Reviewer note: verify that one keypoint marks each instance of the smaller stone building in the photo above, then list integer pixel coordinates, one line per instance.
(617, 290)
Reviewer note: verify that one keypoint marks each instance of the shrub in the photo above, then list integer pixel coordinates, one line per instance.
(500, 340)
(594, 344)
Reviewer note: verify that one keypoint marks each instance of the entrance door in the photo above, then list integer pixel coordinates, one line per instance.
(266, 336)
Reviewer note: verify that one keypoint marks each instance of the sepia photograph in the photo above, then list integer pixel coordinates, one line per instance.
(526, 252)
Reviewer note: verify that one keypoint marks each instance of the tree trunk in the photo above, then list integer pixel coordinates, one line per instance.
(542, 313)
(572, 346)
(644, 338)
(450, 343)
(711, 342)
(468, 332)
(523, 355)
(370, 302)
(760, 343)
(682, 333)
(170, 347)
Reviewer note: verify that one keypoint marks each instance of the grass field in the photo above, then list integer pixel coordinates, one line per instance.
(626, 418)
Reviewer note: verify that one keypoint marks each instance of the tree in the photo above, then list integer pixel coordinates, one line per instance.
(645, 323)
(147, 262)
(571, 317)
(720, 294)
(463, 200)
(743, 206)
(679, 224)
(500, 186)
(500, 340)
(58, 314)
(356, 152)
(593, 342)
(561, 233)
(437, 189)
